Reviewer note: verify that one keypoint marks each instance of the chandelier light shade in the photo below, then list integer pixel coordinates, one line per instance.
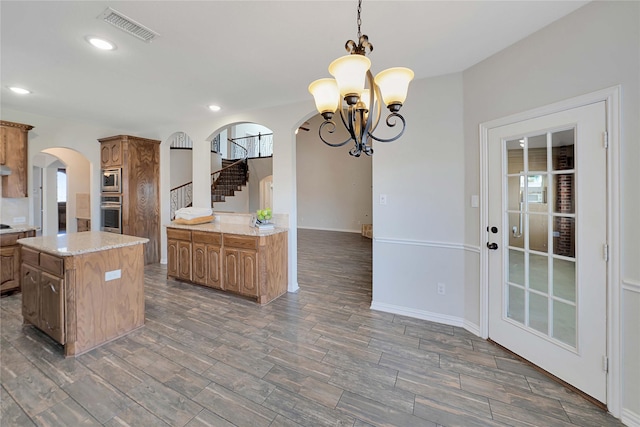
(358, 97)
(325, 93)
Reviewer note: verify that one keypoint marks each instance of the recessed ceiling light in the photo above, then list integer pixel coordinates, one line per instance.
(19, 90)
(101, 44)
(214, 108)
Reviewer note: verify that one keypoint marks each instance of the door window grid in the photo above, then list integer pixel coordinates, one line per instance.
(524, 294)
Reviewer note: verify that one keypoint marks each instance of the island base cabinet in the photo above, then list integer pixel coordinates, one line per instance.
(43, 301)
(85, 300)
(251, 266)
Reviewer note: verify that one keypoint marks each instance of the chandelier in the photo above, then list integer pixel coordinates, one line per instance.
(362, 95)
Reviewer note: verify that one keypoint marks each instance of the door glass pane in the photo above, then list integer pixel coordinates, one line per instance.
(516, 267)
(563, 193)
(537, 153)
(516, 225)
(564, 279)
(564, 240)
(515, 310)
(538, 272)
(564, 322)
(515, 193)
(515, 156)
(562, 154)
(538, 312)
(538, 232)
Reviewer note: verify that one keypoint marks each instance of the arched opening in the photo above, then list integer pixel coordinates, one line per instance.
(243, 159)
(56, 209)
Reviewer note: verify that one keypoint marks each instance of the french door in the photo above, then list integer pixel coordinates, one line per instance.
(547, 213)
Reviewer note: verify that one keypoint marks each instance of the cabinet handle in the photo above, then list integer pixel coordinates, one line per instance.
(53, 289)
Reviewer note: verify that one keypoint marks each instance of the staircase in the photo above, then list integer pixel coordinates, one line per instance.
(231, 179)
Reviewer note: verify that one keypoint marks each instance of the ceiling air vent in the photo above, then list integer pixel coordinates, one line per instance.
(128, 25)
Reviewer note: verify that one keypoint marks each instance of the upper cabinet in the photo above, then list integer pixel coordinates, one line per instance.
(110, 153)
(13, 154)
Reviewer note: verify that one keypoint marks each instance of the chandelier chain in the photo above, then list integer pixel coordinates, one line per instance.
(359, 20)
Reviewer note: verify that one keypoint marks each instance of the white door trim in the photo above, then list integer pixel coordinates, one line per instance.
(611, 96)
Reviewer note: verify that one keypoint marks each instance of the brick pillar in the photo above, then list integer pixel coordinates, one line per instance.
(564, 203)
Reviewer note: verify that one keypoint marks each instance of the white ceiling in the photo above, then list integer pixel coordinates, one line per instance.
(237, 54)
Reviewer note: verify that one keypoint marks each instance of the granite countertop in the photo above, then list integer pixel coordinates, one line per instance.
(217, 227)
(17, 229)
(79, 243)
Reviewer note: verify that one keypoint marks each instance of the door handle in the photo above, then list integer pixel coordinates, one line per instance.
(492, 246)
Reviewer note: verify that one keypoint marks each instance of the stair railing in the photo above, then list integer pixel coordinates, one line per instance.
(260, 145)
(180, 197)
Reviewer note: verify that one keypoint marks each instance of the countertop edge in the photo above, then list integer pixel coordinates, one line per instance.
(44, 244)
(239, 229)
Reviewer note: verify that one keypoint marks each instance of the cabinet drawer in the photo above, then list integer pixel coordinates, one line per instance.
(30, 256)
(205, 237)
(52, 264)
(242, 242)
(176, 234)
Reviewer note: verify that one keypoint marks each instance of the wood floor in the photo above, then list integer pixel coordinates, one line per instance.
(319, 357)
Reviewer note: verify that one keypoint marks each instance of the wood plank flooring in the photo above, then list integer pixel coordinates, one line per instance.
(318, 357)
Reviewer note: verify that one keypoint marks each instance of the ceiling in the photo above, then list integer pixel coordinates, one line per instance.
(240, 55)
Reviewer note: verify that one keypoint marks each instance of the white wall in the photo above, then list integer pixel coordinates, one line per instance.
(258, 170)
(419, 233)
(596, 47)
(334, 188)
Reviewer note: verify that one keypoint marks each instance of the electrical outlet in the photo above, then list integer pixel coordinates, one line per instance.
(19, 220)
(441, 288)
(383, 199)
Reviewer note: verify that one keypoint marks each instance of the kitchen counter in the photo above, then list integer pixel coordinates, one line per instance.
(83, 289)
(80, 243)
(229, 228)
(17, 229)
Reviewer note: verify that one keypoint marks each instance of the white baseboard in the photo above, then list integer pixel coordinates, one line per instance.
(419, 314)
(630, 418)
(331, 229)
(472, 327)
(163, 261)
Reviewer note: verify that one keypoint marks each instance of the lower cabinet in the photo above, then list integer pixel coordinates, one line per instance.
(179, 254)
(10, 260)
(252, 266)
(43, 294)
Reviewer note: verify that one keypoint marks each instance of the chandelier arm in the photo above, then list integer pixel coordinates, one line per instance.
(391, 124)
(331, 129)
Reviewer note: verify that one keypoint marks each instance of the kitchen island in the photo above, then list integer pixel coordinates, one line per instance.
(83, 289)
(230, 257)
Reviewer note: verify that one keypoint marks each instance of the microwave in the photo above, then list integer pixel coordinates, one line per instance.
(111, 181)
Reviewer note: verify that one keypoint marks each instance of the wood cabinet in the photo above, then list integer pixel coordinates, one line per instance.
(10, 260)
(179, 254)
(139, 160)
(240, 264)
(110, 152)
(206, 259)
(87, 299)
(43, 293)
(252, 266)
(83, 224)
(13, 154)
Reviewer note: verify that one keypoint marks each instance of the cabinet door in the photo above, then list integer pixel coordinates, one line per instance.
(110, 154)
(15, 156)
(30, 278)
(184, 260)
(3, 144)
(172, 258)
(214, 267)
(9, 268)
(52, 306)
(200, 263)
(232, 270)
(248, 273)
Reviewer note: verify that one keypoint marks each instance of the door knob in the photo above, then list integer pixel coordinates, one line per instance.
(492, 246)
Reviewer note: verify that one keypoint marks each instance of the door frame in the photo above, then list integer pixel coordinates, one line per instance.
(611, 96)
